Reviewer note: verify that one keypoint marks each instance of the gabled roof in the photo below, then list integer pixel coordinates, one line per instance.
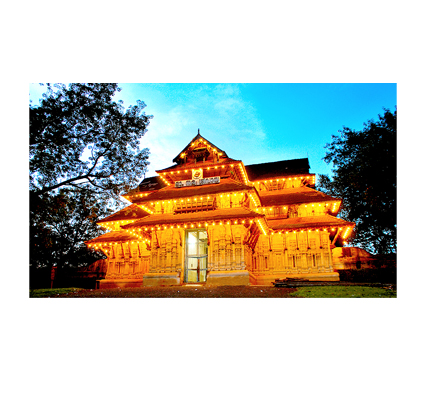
(214, 215)
(128, 213)
(278, 168)
(293, 196)
(198, 136)
(171, 192)
(308, 222)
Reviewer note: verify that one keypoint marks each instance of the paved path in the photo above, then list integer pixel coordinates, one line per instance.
(192, 291)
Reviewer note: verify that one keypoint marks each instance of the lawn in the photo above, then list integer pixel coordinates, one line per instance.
(344, 292)
(52, 292)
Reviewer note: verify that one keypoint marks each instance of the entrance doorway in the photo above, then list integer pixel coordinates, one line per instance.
(196, 256)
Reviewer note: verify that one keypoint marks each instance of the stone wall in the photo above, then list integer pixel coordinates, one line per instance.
(226, 251)
(167, 249)
(277, 255)
(357, 258)
(292, 253)
(128, 261)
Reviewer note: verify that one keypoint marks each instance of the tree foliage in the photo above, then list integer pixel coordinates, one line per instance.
(84, 152)
(60, 223)
(365, 177)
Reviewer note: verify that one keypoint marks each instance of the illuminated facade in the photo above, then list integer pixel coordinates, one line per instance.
(211, 219)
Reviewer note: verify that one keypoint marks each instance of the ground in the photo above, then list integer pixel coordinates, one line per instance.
(195, 291)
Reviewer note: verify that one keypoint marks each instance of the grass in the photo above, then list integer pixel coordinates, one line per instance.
(51, 292)
(344, 292)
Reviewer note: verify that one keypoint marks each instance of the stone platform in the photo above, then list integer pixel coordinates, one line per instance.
(219, 278)
(214, 278)
(161, 279)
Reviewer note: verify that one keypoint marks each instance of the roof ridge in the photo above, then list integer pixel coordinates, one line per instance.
(273, 162)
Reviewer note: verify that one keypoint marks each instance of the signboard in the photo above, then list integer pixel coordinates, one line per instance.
(197, 182)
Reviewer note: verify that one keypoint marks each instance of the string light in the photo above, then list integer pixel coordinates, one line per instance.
(300, 230)
(165, 181)
(334, 208)
(243, 173)
(262, 227)
(253, 196)
(347, 231)
(311, 178)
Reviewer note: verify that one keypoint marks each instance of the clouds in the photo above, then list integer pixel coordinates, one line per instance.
(164, 137)
(220, 111)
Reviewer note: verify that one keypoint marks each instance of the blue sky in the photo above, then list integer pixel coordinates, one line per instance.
(253, 122)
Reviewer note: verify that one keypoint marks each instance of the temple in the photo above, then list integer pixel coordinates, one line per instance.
(210, 219)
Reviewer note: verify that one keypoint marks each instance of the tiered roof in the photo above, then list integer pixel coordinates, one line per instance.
(128, 213)
(221, 214)
(170, 192)
(234, 177)
(318, 221)
(110, 237)
(294, 196)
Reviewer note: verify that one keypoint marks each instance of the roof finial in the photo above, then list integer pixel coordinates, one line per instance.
(198, 131)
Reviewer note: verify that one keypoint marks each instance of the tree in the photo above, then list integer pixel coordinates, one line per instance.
(84, 152)
(59, 225)
(365, 177)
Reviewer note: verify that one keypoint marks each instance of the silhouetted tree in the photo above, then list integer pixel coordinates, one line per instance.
(84, 152)
(365, 177)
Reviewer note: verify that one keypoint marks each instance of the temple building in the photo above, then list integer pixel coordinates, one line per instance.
(210, 219)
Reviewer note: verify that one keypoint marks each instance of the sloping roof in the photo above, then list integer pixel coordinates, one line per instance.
(114, 236)
(131, 212)
(171, 192)
(206, 164)
(308, 222)
(151, 183)
(198, 136)
(278, 168)
(215, 215)
(293, 196)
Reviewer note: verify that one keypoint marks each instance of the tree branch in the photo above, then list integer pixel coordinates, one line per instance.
(85, 176)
